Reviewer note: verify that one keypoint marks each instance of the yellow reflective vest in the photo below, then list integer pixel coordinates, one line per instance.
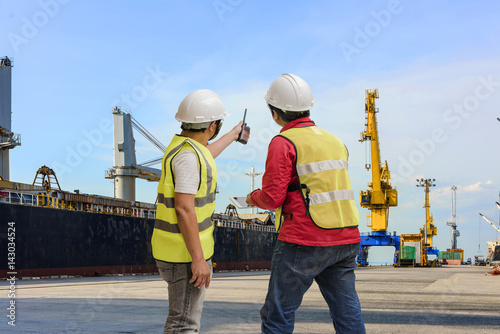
(167, 241)
(321, 165)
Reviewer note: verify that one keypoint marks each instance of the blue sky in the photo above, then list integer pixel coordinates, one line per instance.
(436, 65)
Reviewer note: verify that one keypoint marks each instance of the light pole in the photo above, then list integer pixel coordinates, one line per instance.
(252, 173)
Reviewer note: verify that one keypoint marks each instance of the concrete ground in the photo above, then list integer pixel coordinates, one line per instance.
(453, 299)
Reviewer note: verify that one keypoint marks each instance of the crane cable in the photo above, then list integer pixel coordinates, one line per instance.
(152, 162)
(142, 130)
(366, 153)
(479, 235)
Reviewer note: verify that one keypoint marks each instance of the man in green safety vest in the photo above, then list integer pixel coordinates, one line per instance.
(307, 183)
(182, 240)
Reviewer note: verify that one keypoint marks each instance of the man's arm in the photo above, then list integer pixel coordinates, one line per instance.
(278, 175)
(220, 144)
(188, 224)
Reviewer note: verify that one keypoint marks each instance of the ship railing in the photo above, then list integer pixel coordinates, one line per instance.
(45, 200)
(143, 213)
(240, 225)
(41, 199)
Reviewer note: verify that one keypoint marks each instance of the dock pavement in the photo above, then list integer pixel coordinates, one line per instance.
(448, 299)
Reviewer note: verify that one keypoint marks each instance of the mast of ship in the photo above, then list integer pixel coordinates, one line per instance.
(252, 173)
(8, 139)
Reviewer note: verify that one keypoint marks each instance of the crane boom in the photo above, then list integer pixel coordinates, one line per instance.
(380, 195)
(489, 221)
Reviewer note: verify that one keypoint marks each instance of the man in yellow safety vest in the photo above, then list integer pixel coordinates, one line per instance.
(182, 240)
(307, 183)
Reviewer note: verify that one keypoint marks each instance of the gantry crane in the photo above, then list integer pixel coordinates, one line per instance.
(380, 195)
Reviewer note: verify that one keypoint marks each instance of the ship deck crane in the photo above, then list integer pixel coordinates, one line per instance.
(493, 253)
(45, 177)
(8, 139)
(380, 195)
(490, 222)
(125, 168)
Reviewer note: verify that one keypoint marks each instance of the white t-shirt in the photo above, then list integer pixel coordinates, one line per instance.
(186, 172)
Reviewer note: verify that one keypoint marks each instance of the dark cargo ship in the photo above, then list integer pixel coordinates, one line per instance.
(61, 233)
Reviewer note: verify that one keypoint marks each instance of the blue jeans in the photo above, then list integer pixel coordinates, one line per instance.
(293, 269)
(185, 301)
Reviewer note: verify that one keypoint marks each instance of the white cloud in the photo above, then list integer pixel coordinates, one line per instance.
(476, 187)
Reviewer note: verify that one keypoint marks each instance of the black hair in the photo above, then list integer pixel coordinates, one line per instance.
(291, 116)
(200, 130)
(193, 130)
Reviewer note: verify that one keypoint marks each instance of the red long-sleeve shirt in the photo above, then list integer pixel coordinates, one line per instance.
(280, 171)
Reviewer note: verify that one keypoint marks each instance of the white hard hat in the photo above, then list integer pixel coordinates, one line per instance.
(290, 93)
(201, 106)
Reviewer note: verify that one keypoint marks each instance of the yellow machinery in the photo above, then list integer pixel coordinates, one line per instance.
(380, 195)
(416, 241)
(420, 259)
(45, 177)
(422, 242)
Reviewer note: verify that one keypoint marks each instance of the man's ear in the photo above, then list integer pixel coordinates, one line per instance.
(275, 115)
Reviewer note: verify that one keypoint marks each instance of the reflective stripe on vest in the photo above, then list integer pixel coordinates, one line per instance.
(167, 241)
(321, 165)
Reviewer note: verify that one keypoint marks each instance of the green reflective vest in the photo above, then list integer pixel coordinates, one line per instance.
(321, 165)
(167, 241)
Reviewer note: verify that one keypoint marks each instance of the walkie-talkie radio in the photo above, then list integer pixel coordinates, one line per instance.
(245, 131)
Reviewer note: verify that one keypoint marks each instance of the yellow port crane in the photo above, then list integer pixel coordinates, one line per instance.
(421, 242)
(380, 195)
(429, 230)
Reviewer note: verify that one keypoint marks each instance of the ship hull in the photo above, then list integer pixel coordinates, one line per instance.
(52, 242)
